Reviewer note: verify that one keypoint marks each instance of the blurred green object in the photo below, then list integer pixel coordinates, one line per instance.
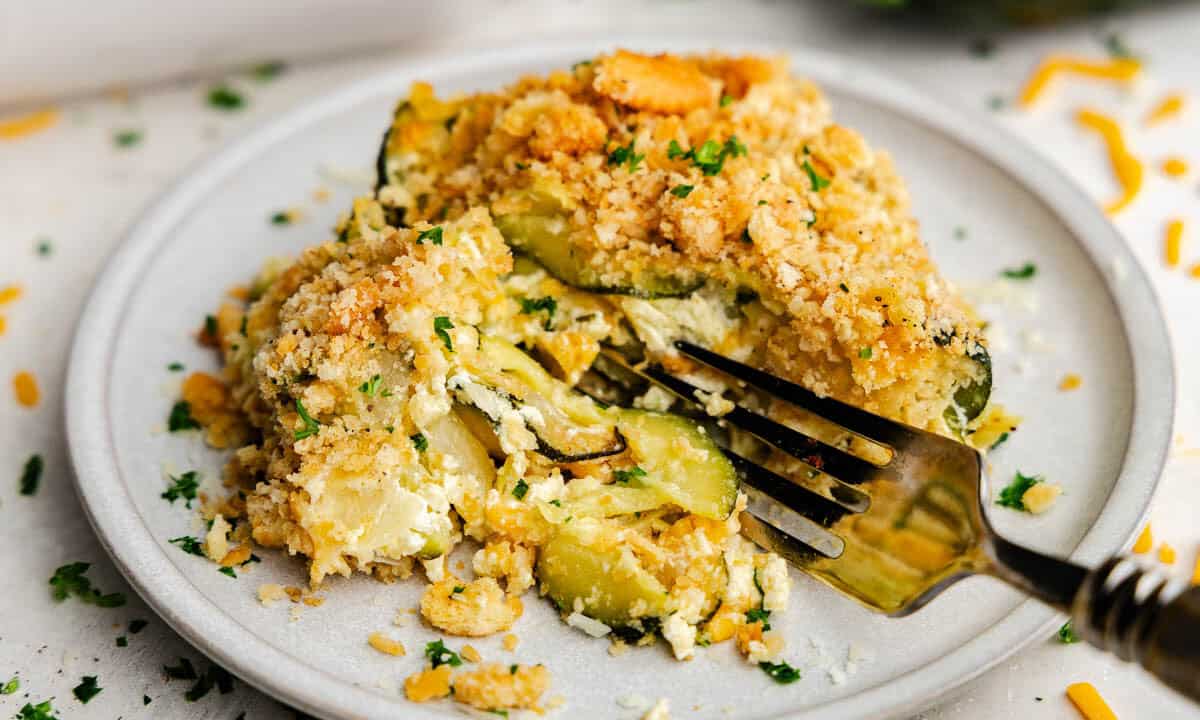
(1001, 12)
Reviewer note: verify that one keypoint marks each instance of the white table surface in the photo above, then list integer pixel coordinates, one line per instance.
(72, 185)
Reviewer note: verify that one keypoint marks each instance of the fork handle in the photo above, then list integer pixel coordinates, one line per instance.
(1134, 613)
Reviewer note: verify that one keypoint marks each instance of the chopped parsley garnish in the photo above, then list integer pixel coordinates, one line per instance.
(996, 103)
(86, 689)
(865, 353)
(818, 182)
(216, 676)
(175, 367)
(625, 155)
(780, 672)
(844, 287)
(44, 247)
(746, 236)
(433, 235)
(223, 97)
(624, 476)
(283, 217)
(226, 570)
(520, 489)
(210, 326)
(189, 545)
(512, 669)
(136, 626)
(441, 324)
(960, 233)
(181, 417)
(530, 306)
(11, 686)
(709, 157)
(311, 426)
(184, 486)
(127, 138)
(1066, 634)
(420, 442)
(1024, 272)
(754, 615)
(267, 71)
(1116, 46)
(999, 441)
(145, 699)
(458, 589)
(556, 502)
(32, 475)
(725, 100)
(42, 711)
(71, 580)
(1010, 497)
(439, 655)
(122, 641)
(371, 387)
(183, 671)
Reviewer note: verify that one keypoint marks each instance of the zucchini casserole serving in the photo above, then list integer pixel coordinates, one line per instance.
(435, 373)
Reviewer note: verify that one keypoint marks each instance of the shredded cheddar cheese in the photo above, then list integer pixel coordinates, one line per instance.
(1175, 167)
(385, 644)
(9, 293)
(1194, 271)
(1070, 381)
(3, 324)
(1126, 167)
(470, 654)
(1174, 242)
(1144, 542)
(28, 124)
(26, 387)
(1167, 108)
(1088, 702)
(1166, 554)
(1119, 69)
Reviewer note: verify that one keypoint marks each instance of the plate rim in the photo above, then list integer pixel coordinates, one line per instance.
(119, 527)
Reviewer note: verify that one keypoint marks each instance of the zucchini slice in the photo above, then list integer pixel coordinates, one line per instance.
(542, 235)
(680, 461)
(971, 399)
(568, 425)
(584, 563)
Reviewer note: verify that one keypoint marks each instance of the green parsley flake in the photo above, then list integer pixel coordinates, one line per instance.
(283, 217)
(441, 324)
(210, 326)
(995, 103)
(780, 672)
(960, 233)
(420, 442)
(865, 353)
(181, 417)
(122, 641)
(71, 580)
(725, 100)
(457, 589)
(433, 235)
(530, 306)
(223, 97)
(184, 486)
(136, 626)
(814, 178)
(709, 157)
(226, 570)
(520, 489)
(624, 476)
(87, 689)
(32, 475)
(183, 671)
(1066, 634)
(844, 287)
(682, 191)
(175, 367)
(625, 155)
(189, 545)
(1116, 47)
(999, 441)
(311, 426)
(11, 686)
(439, 655)
(759, 615)
(556, 502)
(1010, 497)
(43, 247)
(127, 138)
(145, 699)
(1024, 272)
(42, 711)
(268, 71)
(371, 387)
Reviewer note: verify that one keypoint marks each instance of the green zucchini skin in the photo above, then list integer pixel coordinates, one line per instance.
(971, 399)
(381, 175)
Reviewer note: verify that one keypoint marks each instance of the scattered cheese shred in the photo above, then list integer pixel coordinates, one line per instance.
(9, 293)
(1166, 554)
(1088, 702)
(26, 387)
(1196, 572)
(28, 124)
(1174, 242)
(1120, 69)
(428, 684)
(470, 654)
(1070, 381)
(1167, 108)
(1175, 167)
(385, 644)
(1126, 167)
(1194, 271)
(1144, 542)
(3, 324)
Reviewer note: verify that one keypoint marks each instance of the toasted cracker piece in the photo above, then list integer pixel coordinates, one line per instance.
(659, 83)
(479, 607)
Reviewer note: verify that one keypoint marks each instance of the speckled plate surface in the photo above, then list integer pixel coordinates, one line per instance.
(1094, 314)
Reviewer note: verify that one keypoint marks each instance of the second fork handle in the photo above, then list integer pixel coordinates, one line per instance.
(1136, 614)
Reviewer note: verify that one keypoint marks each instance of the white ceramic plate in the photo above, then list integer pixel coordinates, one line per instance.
(1105, 442)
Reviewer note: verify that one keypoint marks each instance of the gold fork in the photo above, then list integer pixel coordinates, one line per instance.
(895, 530)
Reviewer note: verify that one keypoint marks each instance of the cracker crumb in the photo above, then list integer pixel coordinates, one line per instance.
(385, 644)
(470, 654)
(472, 609)
(496, 686)
(428, 684)
(660, 711)
(270, 593)
(509, 642)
